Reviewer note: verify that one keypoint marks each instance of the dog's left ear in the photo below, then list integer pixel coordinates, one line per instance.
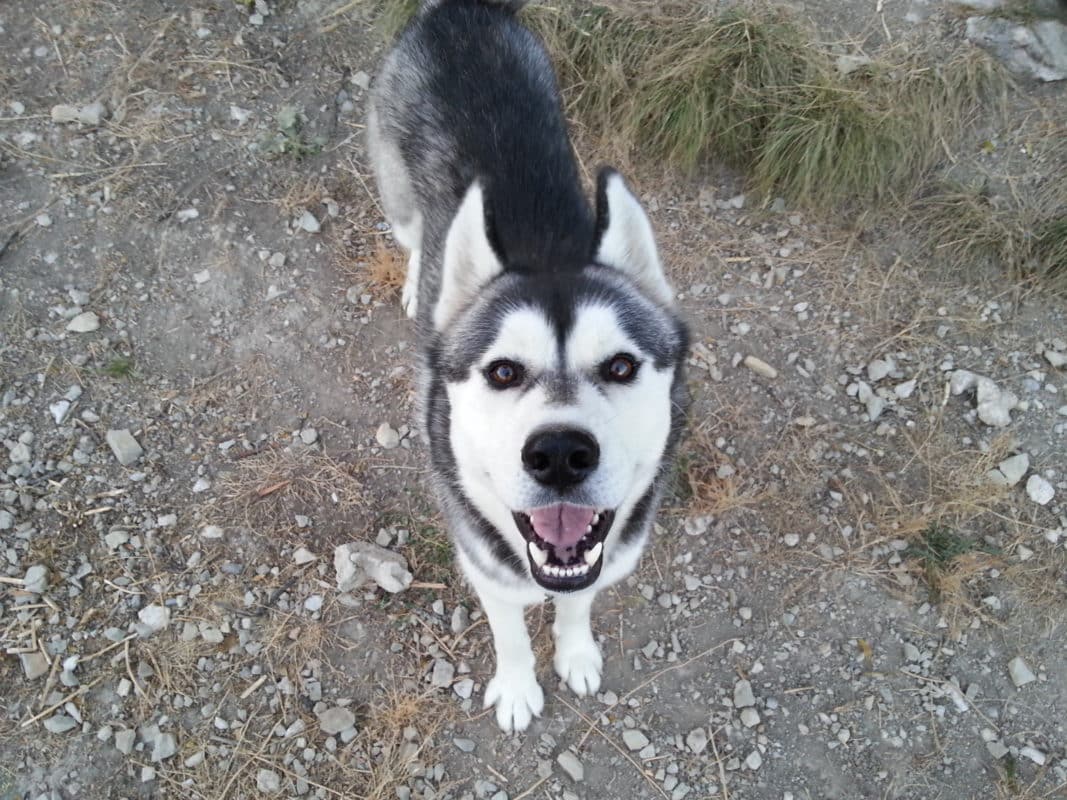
(470, 261)
(624, 237)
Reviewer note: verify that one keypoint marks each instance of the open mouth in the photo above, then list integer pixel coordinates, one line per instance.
(565, 544)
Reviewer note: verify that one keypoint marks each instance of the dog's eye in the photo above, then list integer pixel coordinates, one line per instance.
(504, 374)
(620, 368)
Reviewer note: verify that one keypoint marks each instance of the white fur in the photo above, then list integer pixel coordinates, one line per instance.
(469, 260)
(488, 429)
(628, 243)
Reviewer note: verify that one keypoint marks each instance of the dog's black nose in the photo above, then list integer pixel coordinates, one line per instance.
(560, 459)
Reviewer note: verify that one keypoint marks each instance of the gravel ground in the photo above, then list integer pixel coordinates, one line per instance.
(857, 590)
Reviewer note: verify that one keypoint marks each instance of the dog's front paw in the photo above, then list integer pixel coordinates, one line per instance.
(579, 664)
(409, 299)
(518, 699)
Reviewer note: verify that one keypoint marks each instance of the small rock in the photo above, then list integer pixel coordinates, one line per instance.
(905, 390)
(461, 620)
(1020, 673)
(59, 410)
(634, 739)
(879, 368)
(211, 532)
(387, 437)
(36, 579)
(357, 561)
(750, 717)
(1011, 470)
(912, 653)
(309, 436)
(60, 723)
(44, 220)
(754, 760)
(1040, 490)
(361, 79)
(124, 741)
(268, 781)
(307, 222)
(465, 745)
(303, 556)
(760, 367)
(571, 764)
(1033, 754)
(201, 486)
(334, 720)
(124, 446)
(791, 539)
(154, 618)
(86, 322)
(1056, 358)
(995, 404)
(34, 665)
(697, 740)
(186, 215)
(743, 696)
(164, 747)
(443, 673)
(463, 688)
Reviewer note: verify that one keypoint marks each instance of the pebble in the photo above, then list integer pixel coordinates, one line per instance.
(357, 561)
(92, 114)
(387, 436)
(34, 665)
(307, 222)
(164, 747)
(760, 367)
(36, 579)
(697, 740)
(879, 368)
(185, 215)
(86, 322)
(124, 741)
(443, 673)
(1040, 490)
(1033, 754)
(634, 739)
(361, 79)
(791, 539)
(461, 620)
(743, 696)
(463, 688)
(1011, 470)
(202, 485)
(44, 220)
(154, 618)
(1020, 672)
(572, 765)
(303, 556)
(905, 390)
(60, 723)
(466, 745)
(309, 436)
(750, 717)
(211, 532)
(754, 760)
(268, 781)
(124, 446)
(334, 720)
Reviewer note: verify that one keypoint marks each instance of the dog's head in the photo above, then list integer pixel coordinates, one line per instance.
(564, 390)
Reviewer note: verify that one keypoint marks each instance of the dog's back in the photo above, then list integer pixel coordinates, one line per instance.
(472, 97)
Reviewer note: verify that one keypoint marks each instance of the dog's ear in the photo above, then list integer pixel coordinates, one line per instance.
(624, 237)
(470, 261)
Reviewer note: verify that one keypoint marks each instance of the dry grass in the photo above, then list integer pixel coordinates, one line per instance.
(755, 89)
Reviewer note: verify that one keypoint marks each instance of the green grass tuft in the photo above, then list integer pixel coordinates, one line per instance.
(119, 367)
(754, 89)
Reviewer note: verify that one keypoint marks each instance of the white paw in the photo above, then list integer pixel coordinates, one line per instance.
(518, 699)
(579, 664)
(409, 295)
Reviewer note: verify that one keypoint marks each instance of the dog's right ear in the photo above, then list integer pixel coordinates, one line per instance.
(470, 261)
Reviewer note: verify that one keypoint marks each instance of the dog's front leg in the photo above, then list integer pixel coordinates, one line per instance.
(514, 689)
(578, 660)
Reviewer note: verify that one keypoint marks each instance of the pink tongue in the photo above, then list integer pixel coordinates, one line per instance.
(562, 525)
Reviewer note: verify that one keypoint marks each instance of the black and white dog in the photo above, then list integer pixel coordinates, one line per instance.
(553, 383)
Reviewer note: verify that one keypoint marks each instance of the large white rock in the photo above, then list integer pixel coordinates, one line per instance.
(1040, 490)
(356, 562)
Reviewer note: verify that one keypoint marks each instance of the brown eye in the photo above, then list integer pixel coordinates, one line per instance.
(504, 374)
(621, 368)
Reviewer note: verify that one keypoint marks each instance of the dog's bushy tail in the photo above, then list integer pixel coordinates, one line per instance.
(514, 6)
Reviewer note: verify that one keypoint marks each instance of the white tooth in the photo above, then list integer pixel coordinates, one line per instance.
(596, 518)
(538, 555)
(588, 528)
(592, 556)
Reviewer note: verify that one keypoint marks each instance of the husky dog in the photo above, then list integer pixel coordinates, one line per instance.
(552, 378)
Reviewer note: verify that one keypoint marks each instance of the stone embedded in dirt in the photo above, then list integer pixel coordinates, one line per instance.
(36, 579)
(1056, 358)
(303, 556)
(34, 665)
(1037, 49)
(387, 436)
(60, 723)
(268, 781)
(361, 79)
(124, 741)
(124, 446)
(443, 673)
(461, 620)
(905, 390)
(463, 688)
(164, 747)
(634, 739)
(994, 404)
(211, 532)
(880, 368)
(186, 215)
(791, 539)
(59, 410)
(760, 367)
(1010, 471)
(754, 760)
(357, 562)
(307, 222)
(570, 764)
(91, 114)
(153, 618)
(1040, 490)
(1033, 754)
(464, 745)
(309, 436)
(86, 322)
(750, 717)
(697, 740)
(1020, 672)
(743, 696)
(874, 403)
(334, 720)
